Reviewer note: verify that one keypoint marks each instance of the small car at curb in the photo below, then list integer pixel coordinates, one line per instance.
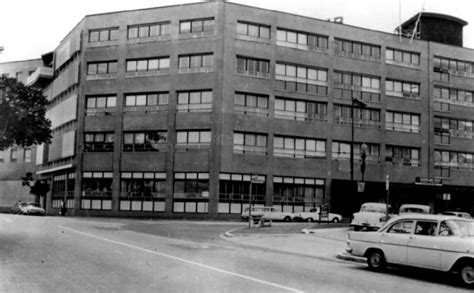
(314, 215)
(414, 209)
(269, 213)
(372, 215)
(31, 208)
(435, 242)
(16, 207)
(456, 214)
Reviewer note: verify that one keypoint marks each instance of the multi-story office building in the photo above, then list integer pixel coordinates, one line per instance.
(16, 161)
(171, 111)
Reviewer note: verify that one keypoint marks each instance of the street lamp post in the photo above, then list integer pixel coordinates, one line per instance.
(360, 104)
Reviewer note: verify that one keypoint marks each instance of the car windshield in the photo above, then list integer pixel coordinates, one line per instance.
(373, 209)
(464, 228)
(34, 204)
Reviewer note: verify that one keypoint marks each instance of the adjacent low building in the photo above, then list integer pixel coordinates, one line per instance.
(197, 110)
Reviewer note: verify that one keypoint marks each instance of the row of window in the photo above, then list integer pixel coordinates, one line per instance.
(198, 101)
(149, 30)
(289, 77)
(284, 37)
(243, 143)
(13, 155)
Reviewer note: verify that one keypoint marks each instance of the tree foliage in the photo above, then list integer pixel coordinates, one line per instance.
(22, 115)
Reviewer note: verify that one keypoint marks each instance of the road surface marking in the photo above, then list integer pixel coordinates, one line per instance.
(183, 260)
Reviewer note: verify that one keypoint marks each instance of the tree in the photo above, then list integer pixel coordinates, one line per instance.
(22, 115)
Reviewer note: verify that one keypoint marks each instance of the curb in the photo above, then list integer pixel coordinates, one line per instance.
(349, 257)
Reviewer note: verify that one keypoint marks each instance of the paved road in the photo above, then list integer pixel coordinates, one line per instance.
(52, 254)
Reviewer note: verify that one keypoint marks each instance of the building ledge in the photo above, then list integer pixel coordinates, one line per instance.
(41, 76)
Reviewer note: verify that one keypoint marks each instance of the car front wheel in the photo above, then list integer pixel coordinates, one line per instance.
(287, 219)
(309, 220)
(466, 274)
(335, 220)
(376, 260)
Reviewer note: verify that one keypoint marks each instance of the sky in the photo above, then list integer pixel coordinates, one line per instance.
(30, 28)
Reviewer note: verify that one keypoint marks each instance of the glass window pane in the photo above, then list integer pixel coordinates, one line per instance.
(193, 136)
(144, 31)
(111, 101)
(206, 97)
(241, 28)
(103, 35)
(164, 63)
(142, 65)
(185, 27)
(139, 138)
(152, 99)
(130, 101)
(91, 103)
(195, 98)
(291, 37)
(238, 138)
(133, 32)
(153, 64)
(239, 99)
(141, 100)
(112, 67)
(205, 136)
(154, 30)
(101, 102)
(131, 65)
(181, 137)
(183, 62)
(102, 68)
(183, 98)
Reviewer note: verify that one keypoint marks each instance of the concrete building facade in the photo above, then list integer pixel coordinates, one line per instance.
(171, 111)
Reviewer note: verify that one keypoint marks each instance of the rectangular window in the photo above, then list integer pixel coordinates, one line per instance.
(196, 26)
(400, 155)
(234, 191)
(457, 67)
(301, 40)
(251, 104)
(146, 99)
(13, 154)
(403, 122)
(195, 63)
(148, 30)
(103, 35)
(98, 141)
(192, 139)
(100, 104)
(402, 89)
(105, 67)
(195, 101)
(348, 85)
(250, 143)
(362, 116)
(253, 30)
(294, 147)
(138, 186)
(358, 50)
(97, 190)
(300, 110)
(145, 141)
(400, 57)
(297, 194)
(27, 155)
(342, 151)
(253, 67)
(301, 78)
(149, 64)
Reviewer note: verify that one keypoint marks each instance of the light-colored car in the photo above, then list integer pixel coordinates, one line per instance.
(253, 211)
(31, 208)
(414, 208)
(269, 213)
(16, 207)
(437, 242)
(372, 215)
(456, 214)
(314, 215)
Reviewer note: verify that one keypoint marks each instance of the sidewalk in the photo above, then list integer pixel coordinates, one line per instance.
(323, 242)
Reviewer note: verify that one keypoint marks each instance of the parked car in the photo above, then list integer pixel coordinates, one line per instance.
(31, 208)
(314, 215)
(16, 207)
(437, 242)
(270, 213)
(372, 215)
(456, 214)
(414, 208)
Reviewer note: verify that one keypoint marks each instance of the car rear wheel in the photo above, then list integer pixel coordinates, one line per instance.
(309, 220)
(335, 220)
(287, 219)
(376, 260)
(466, 273)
